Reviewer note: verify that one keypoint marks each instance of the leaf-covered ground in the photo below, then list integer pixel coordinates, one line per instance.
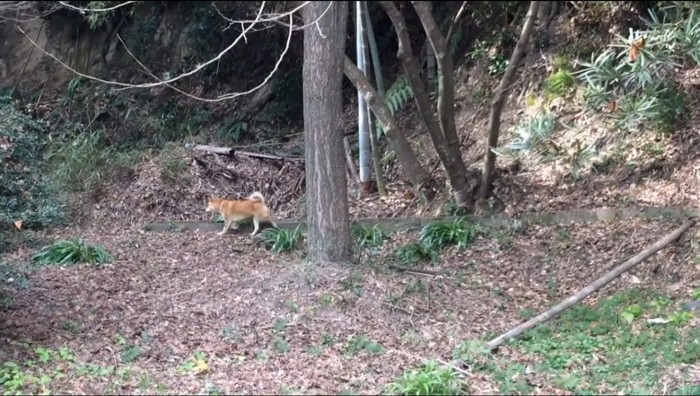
(198, 313)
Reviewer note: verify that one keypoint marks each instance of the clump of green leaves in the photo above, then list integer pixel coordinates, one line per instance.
(534, 135)
(562, 79)
(460, 231)
(281, 239)
(635, 72)
(412, 253)
(72, 251)
(362, 343)
(369, 237)
(396, 97)
(431, 379)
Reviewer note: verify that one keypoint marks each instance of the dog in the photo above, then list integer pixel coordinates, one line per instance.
(236, 210)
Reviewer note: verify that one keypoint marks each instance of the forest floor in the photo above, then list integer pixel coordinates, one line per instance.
(194, 312)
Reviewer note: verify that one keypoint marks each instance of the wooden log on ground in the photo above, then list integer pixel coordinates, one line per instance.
(229, 151)
(214, 149)
(590, 289)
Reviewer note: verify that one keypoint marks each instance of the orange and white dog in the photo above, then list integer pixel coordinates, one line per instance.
(236, 210)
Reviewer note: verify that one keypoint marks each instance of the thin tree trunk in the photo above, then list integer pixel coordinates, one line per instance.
(431, 64)
(445, 141)
(415, 173)
(376, 63)
(349, 160)
(326, 179)
(362, 114)
(499, 101)
(590, 289)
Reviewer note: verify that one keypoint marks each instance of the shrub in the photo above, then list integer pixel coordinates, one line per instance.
(439, 234)
(68, 156)
(369, 237)
(429, 380)
(413, 252)
(282, 239)
(25, 192)
(72, 251)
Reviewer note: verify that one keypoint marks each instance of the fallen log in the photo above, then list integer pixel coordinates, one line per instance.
(214, 149)
(229, 151)
(590, 289)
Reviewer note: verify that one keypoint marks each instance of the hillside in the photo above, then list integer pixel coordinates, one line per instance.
(269, 121)
(190, 311)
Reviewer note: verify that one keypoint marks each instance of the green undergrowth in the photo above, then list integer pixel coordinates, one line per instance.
(369, 241)
(72, 251)
(42, 367)
(629, 343)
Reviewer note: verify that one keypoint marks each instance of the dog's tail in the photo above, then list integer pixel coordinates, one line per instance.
(256, 197)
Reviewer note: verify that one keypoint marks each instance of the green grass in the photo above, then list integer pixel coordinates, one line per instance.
(413, 253)
(369, 237)
(592, 349)
(438, 234)
(72, 251)
(282, 240)
(360, 342)
(431, 379)
(43, 366)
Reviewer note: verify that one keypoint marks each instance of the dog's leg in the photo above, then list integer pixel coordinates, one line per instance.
(256, 223)
(227, 224)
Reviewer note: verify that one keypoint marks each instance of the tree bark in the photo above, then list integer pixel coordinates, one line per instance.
(328, 219)
(499, 101)
(590, 289)
(446, 143)
(376, 63)
(407, 158)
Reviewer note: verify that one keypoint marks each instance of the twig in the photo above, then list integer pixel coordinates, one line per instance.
(392, 306)
(415, 271)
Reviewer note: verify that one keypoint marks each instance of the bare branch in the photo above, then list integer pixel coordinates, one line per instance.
(454, 21)
(259, 19)
(22, 11)
(86, 10)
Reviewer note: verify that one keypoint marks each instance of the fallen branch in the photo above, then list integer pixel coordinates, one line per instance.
(231, 152)
(415, 271)
(590, 289)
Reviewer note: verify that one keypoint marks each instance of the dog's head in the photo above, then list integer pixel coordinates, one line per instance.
(213, 204)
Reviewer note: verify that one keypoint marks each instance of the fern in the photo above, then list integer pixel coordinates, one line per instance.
(396, 98)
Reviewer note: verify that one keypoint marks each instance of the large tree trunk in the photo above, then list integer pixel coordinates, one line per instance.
(326, 181)
(418, 177)
(500, 99)
(445, 140)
